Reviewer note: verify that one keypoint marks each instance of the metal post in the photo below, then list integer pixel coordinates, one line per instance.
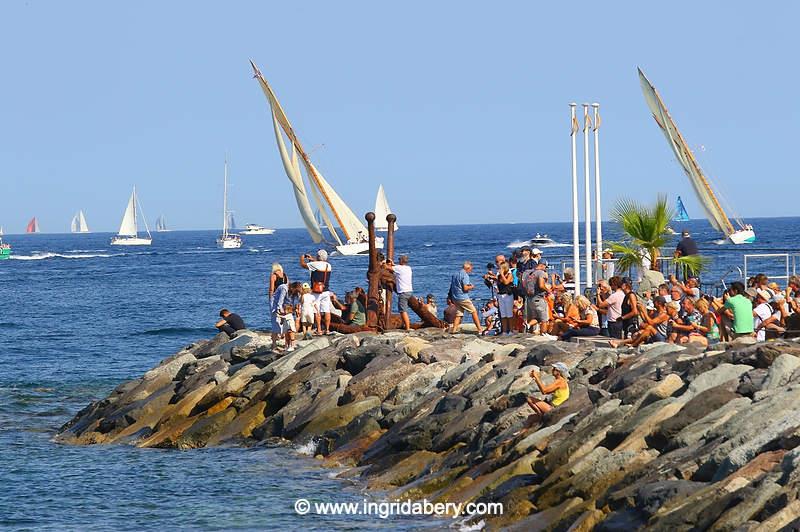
(373, 275)
(576, 253)
(390, 220)
(597, 208)
(587, 123)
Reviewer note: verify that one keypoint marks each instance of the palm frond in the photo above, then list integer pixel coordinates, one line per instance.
(693, 263)
(628, 257)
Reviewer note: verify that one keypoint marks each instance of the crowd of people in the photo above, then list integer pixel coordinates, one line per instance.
(527, 298)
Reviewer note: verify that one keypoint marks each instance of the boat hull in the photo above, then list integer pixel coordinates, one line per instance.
(360, 248)
(257, 232)
(745, 236)
(229, 243)
(130, 241)
(5, 253)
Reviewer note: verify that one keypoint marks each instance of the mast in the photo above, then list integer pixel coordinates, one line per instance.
(685, 146)
(135, 213)
(225, 200)
(576, 254)
(311, 171)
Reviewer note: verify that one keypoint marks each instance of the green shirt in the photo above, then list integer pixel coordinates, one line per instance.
(742, 313)
(358, 315)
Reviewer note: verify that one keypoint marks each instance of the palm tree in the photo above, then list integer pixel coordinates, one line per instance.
(646, 226)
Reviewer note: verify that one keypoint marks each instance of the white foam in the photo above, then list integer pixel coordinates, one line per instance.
(48, 255)
(308, 449)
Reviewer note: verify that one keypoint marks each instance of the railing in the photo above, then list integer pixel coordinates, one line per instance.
(783, 266)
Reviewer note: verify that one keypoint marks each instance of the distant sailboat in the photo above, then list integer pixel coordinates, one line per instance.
(79, 224)
(128, 234)
(33, 226)
(382, 210)
(705, 194)
(161, 225)
(680, 212)
(227, 240)
(355, 239)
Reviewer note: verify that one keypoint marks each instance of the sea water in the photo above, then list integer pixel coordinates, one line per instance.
(80, 316)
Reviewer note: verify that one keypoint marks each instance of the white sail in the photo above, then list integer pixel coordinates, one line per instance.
(716, 215)
(350, 224)
(128, 225)
(382, 210)
(161, 224)
(73, 226)
(79, 224)
(292, 169)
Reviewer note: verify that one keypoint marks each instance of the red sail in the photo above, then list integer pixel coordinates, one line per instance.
(33, 226)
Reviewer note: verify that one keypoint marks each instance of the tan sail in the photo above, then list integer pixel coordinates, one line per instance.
(708, 199)
(351, 226)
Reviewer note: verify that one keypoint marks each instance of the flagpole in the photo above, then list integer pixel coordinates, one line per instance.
(576, 254)
(588, 195)
(597, 208)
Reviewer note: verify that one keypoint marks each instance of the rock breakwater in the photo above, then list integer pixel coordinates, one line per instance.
(663, 437)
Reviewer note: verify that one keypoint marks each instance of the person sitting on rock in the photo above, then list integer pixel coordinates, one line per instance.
(555, 393)
(230, 322)
(654, 325)
(586, 324)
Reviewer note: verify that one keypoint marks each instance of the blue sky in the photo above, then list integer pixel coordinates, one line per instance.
(458, 108)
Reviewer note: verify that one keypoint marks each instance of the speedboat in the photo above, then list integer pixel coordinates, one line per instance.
(541, 240)
(254, 229)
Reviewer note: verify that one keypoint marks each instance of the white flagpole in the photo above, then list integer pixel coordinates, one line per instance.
(597, 209)
(588, 195)
(576, 254)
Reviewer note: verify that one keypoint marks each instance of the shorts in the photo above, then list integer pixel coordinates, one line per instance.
(307, 317)
(657, 337)
(505, 305)
(274, 323)
(402, 301)
(615, 329)
(536, 308)
(287, 326)
(630, 329)
(323, 301)
(464, 305)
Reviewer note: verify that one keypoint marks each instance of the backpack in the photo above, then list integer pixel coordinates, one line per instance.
(530, 283)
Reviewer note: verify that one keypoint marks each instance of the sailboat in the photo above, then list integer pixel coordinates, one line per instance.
(33, 226)
(680, 212)
(161, 225)
(382, 210)
(79, 224)
(705, 194)
(354, 239)
(227, 240)
(128, 234)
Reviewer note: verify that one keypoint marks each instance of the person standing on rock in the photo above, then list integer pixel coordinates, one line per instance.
(460, 286)
(320, 286)
(537, 311)
(613, 307)
(276, 278)
(403, 286)
(285, 295)
(230, 322)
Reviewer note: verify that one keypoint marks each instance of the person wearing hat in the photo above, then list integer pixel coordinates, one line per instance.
(320, 286)
(524, 263)
(761, 313)
(555, 393)
(308, 310)
(739, 309)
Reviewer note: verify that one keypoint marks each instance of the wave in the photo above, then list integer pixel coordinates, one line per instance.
(48, 255)
(174, 331)
(428, 244)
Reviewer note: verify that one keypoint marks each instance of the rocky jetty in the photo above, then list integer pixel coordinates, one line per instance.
(663, 437)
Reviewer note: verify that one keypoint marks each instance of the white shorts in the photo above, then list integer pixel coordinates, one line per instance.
(287, 326)
(307, 317)
(323, 302)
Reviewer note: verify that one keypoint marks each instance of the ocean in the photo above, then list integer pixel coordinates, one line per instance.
(80, 316)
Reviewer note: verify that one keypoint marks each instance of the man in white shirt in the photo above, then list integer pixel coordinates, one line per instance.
(320, 286)
(761, 313)
(403, 286)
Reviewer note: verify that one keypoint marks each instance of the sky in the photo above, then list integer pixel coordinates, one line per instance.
(459, 108)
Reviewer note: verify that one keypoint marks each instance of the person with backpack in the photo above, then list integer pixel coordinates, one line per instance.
(320, 286)
(536, 289)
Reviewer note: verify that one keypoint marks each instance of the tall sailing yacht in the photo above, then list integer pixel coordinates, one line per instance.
(743, 233)
(128, 234)
(33, 226)
(227, 240)
(79, 224)
(161, 225)
(354, 238)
